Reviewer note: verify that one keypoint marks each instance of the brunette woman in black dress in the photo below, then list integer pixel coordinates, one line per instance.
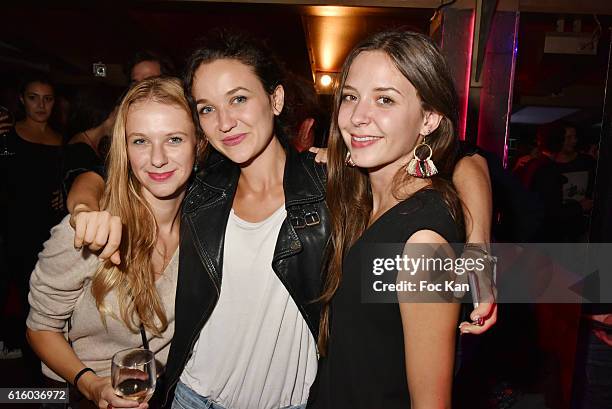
(395, 106)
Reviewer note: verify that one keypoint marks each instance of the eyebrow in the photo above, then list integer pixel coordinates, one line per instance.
(40, 95)
(386, 89)
(377, 89)
(167, 134)
(230, 92)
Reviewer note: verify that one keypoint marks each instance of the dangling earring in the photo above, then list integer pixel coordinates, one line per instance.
(348, 161)
(196, 166)
(421, 168)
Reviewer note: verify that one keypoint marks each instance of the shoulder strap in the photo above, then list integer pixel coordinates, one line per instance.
(143, 335)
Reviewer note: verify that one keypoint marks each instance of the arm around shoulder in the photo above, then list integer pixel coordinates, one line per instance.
(473, 183)
(58, 280)
(86, 190)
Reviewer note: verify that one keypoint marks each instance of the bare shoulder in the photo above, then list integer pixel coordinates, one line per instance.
(426, 236)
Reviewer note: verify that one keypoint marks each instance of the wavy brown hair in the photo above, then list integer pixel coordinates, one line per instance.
(349, 194)
(133, 281)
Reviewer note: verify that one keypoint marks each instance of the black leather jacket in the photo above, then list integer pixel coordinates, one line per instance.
(297, 259)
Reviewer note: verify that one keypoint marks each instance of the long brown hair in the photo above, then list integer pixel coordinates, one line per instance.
(133, 281)
(349, 194)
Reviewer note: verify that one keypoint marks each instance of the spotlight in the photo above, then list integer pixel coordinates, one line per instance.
(324, 81)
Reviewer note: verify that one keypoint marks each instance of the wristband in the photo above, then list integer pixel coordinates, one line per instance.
(81, 373)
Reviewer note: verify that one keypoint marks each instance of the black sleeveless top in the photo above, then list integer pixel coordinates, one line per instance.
(32, 184)
(365, 365)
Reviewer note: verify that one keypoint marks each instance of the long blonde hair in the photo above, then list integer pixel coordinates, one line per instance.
(133, 281)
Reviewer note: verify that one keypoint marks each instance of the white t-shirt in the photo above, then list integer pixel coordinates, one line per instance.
(256, 350)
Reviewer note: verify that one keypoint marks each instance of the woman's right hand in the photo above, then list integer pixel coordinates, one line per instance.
(100, 391)
(97, 230)
(321, 154)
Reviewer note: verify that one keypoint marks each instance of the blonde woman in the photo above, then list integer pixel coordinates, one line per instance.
(151, 159)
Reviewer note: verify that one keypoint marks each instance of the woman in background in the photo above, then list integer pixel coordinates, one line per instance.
(91, 124)
(31, 183)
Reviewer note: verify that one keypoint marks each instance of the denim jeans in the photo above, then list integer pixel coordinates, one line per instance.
(186, 398)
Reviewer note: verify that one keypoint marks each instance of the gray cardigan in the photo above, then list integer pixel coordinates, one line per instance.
(60, 289)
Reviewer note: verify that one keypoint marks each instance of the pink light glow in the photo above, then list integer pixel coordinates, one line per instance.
(510, 92)
(468, 75)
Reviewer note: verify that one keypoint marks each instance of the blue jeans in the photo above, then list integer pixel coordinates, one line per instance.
(186, 398)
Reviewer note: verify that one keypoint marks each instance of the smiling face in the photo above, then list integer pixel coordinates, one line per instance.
(161, 147)
(235, 111)
(380, 116)
(38, 99)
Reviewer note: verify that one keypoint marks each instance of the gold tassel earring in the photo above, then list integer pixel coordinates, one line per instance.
(421, 168)
(348, 161)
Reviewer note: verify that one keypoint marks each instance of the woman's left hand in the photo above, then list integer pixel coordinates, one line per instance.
(486, 313)
(100, 391)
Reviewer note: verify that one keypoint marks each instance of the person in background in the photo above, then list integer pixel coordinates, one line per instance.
(31, 180)
(542, 176)
(146, 64)
(113, 307)
(142, 65)
(310, 122)
(91, 125)
(579, 171)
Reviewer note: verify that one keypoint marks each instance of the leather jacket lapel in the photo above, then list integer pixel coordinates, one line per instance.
(206, 211)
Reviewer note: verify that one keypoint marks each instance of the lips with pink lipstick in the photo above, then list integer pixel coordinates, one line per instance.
(233, 140)
(362, 141)
(160, 177)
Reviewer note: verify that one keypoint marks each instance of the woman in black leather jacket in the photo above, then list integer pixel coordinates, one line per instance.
(255, 228)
